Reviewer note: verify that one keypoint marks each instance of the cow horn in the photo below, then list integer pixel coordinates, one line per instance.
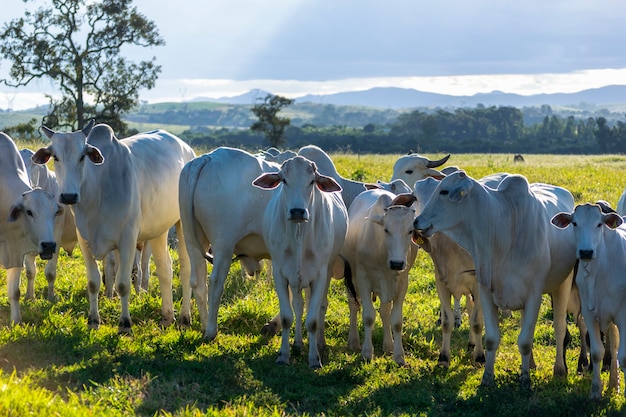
(435, 164)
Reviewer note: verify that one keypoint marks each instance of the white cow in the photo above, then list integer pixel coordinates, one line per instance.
(304, 227)
(601, 245)
(220, 207)
(455, 277)
(380, 251)
(27, 220)
(121, 193)
(517, 254)
(64, 231)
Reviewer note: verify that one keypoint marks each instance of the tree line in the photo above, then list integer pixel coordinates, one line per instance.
(464, 130)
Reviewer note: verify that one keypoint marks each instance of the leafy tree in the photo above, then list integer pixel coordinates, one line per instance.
(269, 123)
(77, 44)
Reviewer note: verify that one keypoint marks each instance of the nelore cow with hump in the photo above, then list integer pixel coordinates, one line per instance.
(27, 220)
(600, 248)
(304, 227)
(517, 254)
(122, 191)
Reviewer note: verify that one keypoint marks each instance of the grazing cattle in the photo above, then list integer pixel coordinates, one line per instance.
(121, 193)
(28, 216)
(220, 207)
(64, 230)
(518, 158)
(517, 254)
(600, 248)
(380, 251)
(304, 227)
(414, 167)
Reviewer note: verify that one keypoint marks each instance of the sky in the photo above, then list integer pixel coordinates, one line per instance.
(221, 48)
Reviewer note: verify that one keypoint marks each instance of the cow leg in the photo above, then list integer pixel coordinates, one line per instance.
(353, 334)
(13, 291)
(146, 254)
(621, 352)
(474, 308)
(51, 274)
(492, 335)
(221, 266)
(396, 318)
(286, 316)
(385, 317)
(109, 270)
(596, 349)
(446, 322)
(525, 337)
(612, 343)
(560, 298)
(93, 283)
(368, 315)
(185, 274)
(31, 271)
(163, 264)
(137, 273)
(319, 288)
(198, 279)
(458, 313)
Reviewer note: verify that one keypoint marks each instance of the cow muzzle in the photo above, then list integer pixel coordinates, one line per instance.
(585, 254)
(298, 215)
(47, 250)
(68, 198)
(396, 265)
(424, 231)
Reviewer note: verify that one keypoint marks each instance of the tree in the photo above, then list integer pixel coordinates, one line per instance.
(269, 123)
(77, 44)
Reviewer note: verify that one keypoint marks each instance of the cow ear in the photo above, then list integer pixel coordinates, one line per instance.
(375, 218)
(612, 220)
(421, 241)
(459, 192)
(561, 220)
(267, 181)
(14, 213)
(41, 156)
(94, 155)
(370, 186)
(433, 173)
(327, 184)
(87, 128)
(404, 200)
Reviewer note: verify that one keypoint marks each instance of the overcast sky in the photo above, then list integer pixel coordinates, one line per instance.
(217, 48)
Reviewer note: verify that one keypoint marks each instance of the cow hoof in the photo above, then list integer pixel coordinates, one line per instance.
(524, 381)
(167, 322)
(124, 326)
(480, 358)
(443, 360)
(93, 323)
(184, 321)
(488, 380)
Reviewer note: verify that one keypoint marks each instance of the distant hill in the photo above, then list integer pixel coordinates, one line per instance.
(403, 98)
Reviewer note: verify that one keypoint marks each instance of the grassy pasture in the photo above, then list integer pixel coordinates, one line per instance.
(53, 365)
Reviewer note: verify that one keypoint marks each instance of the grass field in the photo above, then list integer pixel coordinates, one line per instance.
(53, 365)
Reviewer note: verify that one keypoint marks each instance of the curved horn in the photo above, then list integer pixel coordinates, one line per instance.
(89, 125)
(435, 164)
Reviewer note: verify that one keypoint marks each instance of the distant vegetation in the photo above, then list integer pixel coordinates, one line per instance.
(359, 129)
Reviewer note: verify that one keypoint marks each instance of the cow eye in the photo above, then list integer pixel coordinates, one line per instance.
(444, 192)
(599, 224)
(409, 171)
(55, 158)
(574, 224)
(82, 158)
(29, 212)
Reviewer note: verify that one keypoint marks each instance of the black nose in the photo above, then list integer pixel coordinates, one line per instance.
(396, 265)
(68, 198)
(298, 215)
(585, 254)
(47, 250)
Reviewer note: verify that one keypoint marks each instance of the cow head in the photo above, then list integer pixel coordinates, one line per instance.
(298, 176)
(397, 223)
(587, 221)
(69, 152)
(37, 211)
(414, 167)
(443, 211)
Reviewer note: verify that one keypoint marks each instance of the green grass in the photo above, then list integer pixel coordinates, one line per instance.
(53, 365)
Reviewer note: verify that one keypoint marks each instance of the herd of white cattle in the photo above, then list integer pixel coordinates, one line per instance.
(499, 241)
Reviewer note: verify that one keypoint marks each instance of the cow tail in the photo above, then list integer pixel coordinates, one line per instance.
(189, 177)
(347, 273)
